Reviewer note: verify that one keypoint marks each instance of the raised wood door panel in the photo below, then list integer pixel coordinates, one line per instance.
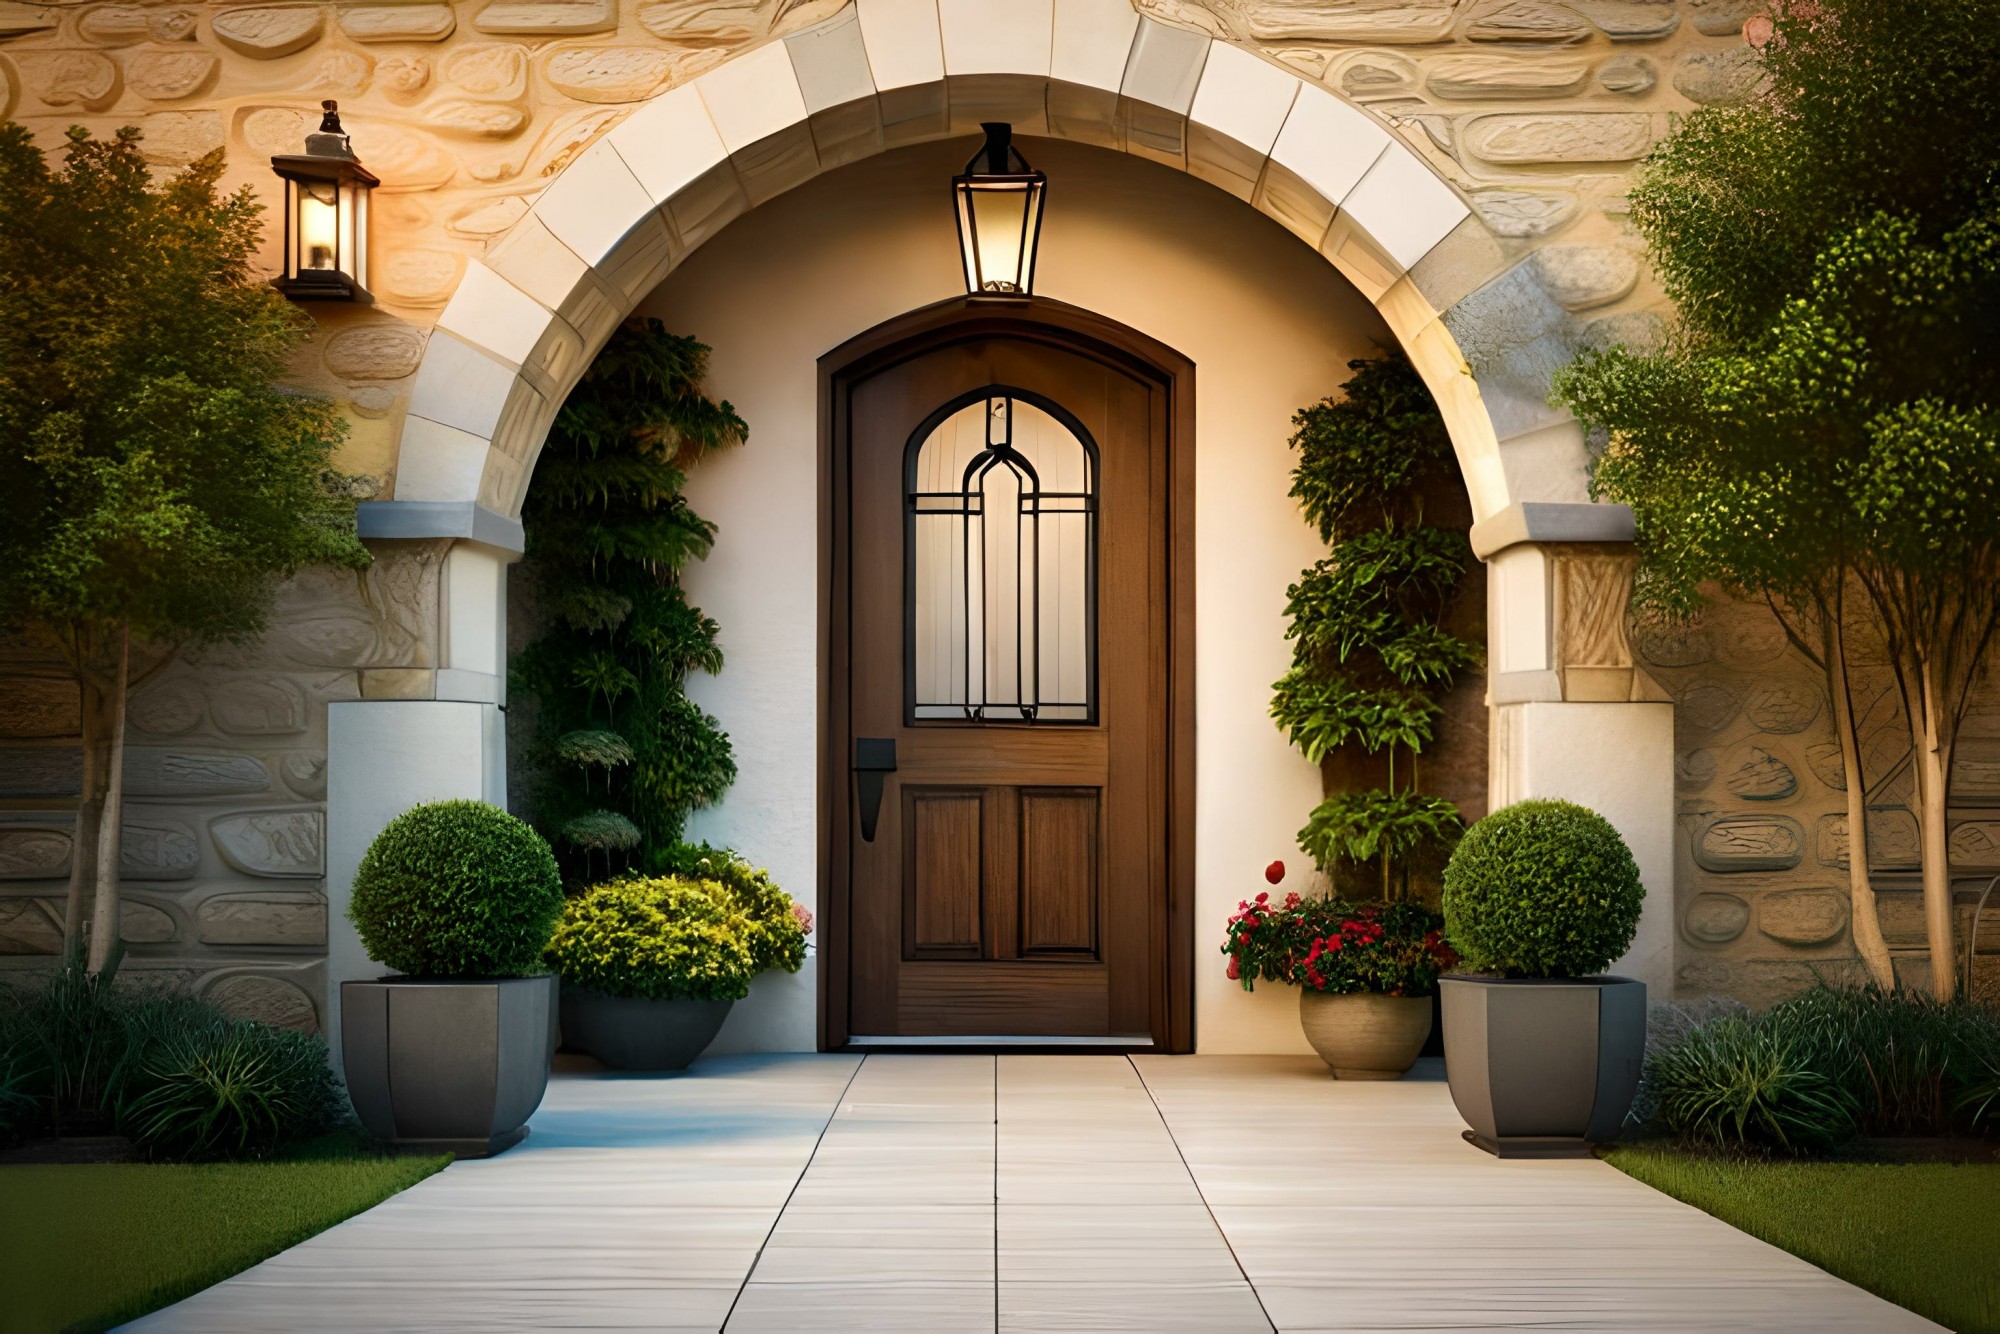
(1017, 882)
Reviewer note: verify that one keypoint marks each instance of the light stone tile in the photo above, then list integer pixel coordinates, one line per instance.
(669, 142)
(530, 257)
(1243, 97)
(438, 462)
(905, 47)
(1164, 66)
(831, 62)
(1093, 42)
(490, 312)
(865, 1308)
(1142, 1308)
(1404, 205)
(460, 386)
(1327, 144)
(996, 36)
(594, 203)
(753, 96)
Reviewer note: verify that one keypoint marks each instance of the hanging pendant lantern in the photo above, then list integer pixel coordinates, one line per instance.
(999, 203)
(326, 216)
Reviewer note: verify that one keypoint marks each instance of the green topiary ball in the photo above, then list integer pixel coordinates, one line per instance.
(457, 889)
(1541, 889)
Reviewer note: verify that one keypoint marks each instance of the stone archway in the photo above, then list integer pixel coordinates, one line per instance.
(523, 324)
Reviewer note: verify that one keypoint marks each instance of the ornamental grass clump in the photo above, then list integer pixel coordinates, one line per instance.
(457, 889)
(1338, 946)
(1541, 889)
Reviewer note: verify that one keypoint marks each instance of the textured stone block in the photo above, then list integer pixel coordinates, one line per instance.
(272, 843)
(1719, 78)
(1738, 843)
(1504, 78)
(1716, 919)
(1417, 22)
(1578, 137)
(32, 707)
(1802, 916)
(548, 18)
(266, 34)
(1581, 277)
(166, 76)
(1756, 774)
(269, 1000)
(246, 919)
(1542, 21)
(32, 849)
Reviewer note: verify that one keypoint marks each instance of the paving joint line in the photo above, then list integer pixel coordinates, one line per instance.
(797, 1181)
(1207, 1208)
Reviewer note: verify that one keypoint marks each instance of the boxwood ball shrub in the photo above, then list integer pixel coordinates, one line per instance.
(1541, 889)
(457, 889)
(664, 938)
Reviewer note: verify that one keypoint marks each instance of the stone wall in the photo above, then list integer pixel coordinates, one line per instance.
(225, 781)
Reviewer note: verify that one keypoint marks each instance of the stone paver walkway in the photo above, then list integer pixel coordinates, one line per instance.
(1022, 1193)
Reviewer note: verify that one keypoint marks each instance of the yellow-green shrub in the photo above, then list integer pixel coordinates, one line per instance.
(662, 938)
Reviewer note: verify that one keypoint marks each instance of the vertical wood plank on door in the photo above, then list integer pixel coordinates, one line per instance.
(1059, 871)
(942, 872)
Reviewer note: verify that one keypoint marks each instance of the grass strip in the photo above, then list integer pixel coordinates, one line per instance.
(1922, 1235)
(90, 1246)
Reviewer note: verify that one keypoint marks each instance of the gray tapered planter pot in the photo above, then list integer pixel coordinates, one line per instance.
(1543, 1069)
(635, 1033)
(448, 1065)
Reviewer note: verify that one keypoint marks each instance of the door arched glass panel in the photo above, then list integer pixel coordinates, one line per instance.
(1001, 565)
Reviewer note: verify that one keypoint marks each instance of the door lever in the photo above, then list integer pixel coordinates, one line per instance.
(873, 757)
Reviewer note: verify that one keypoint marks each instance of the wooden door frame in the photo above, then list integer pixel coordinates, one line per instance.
(1035, 319)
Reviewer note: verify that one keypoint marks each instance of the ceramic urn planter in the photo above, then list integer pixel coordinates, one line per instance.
(1364, 1035)
(1543, 1069)
(635, 1033)
(451, 1065)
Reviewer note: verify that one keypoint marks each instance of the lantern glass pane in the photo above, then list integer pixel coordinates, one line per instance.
(997, 226)
(319, 226)
(357, 246)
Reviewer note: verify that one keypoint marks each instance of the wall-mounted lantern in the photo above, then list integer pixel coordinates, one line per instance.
(326, 216)
(999, 202)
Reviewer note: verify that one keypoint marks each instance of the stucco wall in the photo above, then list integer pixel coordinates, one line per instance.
(1269, 327)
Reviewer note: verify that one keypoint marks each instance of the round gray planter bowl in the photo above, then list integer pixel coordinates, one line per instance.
(448, 1065)
(1543, 1069)
(632, 1033)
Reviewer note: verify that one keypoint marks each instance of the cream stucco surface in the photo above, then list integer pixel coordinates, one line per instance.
(1269, 327)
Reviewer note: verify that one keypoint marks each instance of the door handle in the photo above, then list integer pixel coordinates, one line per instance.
(873, 757)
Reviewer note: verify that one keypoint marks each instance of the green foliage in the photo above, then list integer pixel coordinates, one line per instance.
(1737, 1083)
(232, 1089)
(1541, 889)
(609, 532)
(457, 889)
(663, 938)
(155, 475)
(1826, 1065)
(1361, 826)
(774, 924)
(1338, 947)
(1370, 654)
(178, 1076)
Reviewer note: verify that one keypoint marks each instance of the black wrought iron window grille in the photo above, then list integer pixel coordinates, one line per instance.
(1001, 564)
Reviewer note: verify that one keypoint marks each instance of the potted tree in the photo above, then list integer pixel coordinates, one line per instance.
(651, 966)
(1542, 1051)
(459, 897)
(1366, 973)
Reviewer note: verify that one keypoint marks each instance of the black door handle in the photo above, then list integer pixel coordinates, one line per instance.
(873, 757)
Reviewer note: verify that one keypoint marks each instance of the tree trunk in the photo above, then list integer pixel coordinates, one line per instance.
(93, 709)
(1931, 733)
(104, 918)
(1864, 922)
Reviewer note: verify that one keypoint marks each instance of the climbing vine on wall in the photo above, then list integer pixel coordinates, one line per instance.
(622, 754)
(1371, 657)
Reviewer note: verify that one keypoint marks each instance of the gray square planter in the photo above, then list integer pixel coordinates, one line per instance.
(1543, 1069)
(448, 1065)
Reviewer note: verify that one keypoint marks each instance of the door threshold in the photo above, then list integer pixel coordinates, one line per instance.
(1133, 1042)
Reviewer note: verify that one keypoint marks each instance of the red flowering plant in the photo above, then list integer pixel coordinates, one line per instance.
(1338, 946)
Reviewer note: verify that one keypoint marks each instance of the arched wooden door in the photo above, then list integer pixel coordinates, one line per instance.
(1008, 743)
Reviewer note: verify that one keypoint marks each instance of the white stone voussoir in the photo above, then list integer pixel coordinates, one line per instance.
(996, 36)
(753, 96)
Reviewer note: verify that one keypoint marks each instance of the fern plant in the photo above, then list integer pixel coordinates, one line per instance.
(624, 755)
(1371, 656)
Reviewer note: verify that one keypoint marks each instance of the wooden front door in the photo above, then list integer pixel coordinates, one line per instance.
(1003, 653)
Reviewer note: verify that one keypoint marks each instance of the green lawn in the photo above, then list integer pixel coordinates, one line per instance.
(89, 1246)
(1924, 1235)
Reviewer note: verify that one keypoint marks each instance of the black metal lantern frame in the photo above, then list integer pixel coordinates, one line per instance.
(326, 216)
(998, 202)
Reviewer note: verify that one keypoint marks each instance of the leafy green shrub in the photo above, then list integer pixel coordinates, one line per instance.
(1912, 1064)
(234, 1088)
(1541, 889)
(457, 889)
(663, 938)
(774, 925)
(1338, 947)
(1739, 1083)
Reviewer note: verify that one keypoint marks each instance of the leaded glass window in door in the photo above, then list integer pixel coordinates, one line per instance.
(1001, 565)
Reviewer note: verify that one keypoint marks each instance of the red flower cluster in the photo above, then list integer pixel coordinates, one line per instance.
(1331, 945)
